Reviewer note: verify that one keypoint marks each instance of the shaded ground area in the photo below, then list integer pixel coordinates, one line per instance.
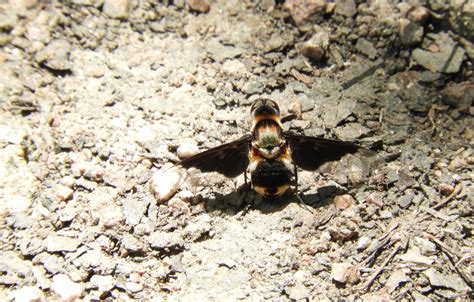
(96, 96)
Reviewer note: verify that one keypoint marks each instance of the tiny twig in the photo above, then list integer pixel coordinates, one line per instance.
(383, 241)
(449, 253)
(443, 202)
(374, 276)
(442, 245)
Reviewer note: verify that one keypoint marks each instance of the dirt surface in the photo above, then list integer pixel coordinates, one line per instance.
(96, 96)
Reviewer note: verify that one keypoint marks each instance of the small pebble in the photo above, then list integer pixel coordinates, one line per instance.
(343, 202)
(373, 199)
(344, 273)
(28, 294)
(133, 287)
(200, 6)
(187, 150)
(419, 15)
(166, 182)
(63, 193)
(67, 290)
(445, 189)
(116, 8)
(363, 243)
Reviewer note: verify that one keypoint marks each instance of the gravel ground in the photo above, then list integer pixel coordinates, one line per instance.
(98, 95)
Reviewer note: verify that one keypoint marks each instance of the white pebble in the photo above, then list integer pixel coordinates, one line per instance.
(187, 150)
(28, 294)
(166, 182)
(67, 290)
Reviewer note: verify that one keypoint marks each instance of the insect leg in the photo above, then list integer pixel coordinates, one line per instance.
(302, 203)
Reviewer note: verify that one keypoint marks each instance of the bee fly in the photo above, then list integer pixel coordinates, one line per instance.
(270, 154)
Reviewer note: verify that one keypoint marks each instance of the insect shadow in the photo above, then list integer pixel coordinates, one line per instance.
(244, 199)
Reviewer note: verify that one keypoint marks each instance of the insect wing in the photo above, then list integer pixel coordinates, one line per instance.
(309, 153)
(230, 159)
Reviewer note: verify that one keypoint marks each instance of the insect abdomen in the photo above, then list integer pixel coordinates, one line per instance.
(271, 178)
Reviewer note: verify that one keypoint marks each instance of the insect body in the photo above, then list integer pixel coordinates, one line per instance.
(269, 153)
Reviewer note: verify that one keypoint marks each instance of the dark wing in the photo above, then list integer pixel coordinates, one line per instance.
(230, 159)
(309, 153)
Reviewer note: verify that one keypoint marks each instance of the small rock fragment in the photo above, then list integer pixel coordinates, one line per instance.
(298, 292)
(104, 209)
(438, 279)
(133, 287)
(165, 241)
(447, 59)
(301, 10)
(103, 283)
(67, 290)
(344, 273)
(132, 245)
(116, 8)
(200, 6)
(367, 48)
(165, 182)
(363, 243)
(419, 14)
(253, 87)
(395, 279)
(56, 243)
(20, 6)
(234, 68)
(28, 294)
(374, 199)
(445, 189)
(187, 149)
(426, 246)
(414, 255)
(315, 48)
(410, 32)
(459, 95)
(55, 55)
(342, 202)
(63, 193)
(346, 8)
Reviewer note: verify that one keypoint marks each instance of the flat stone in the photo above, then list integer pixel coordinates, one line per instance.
(447, 60)
(55, 55)
(63, 193)
(343, 202)
(302, 10)
(103, 283)
(116, 8)
(200, 6)
(165, 241)
(366, 47)
(298, 292)
(459, 95)
(28, 294)
(346, 8)
(104, 209)
(7, 21)
(351, 131)
(438, 279)
(65, 288)
(410, 32)
(56, 243)
(414, 255)
(234, 68)
(316, 47)
(344, 273)
(396, 278)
